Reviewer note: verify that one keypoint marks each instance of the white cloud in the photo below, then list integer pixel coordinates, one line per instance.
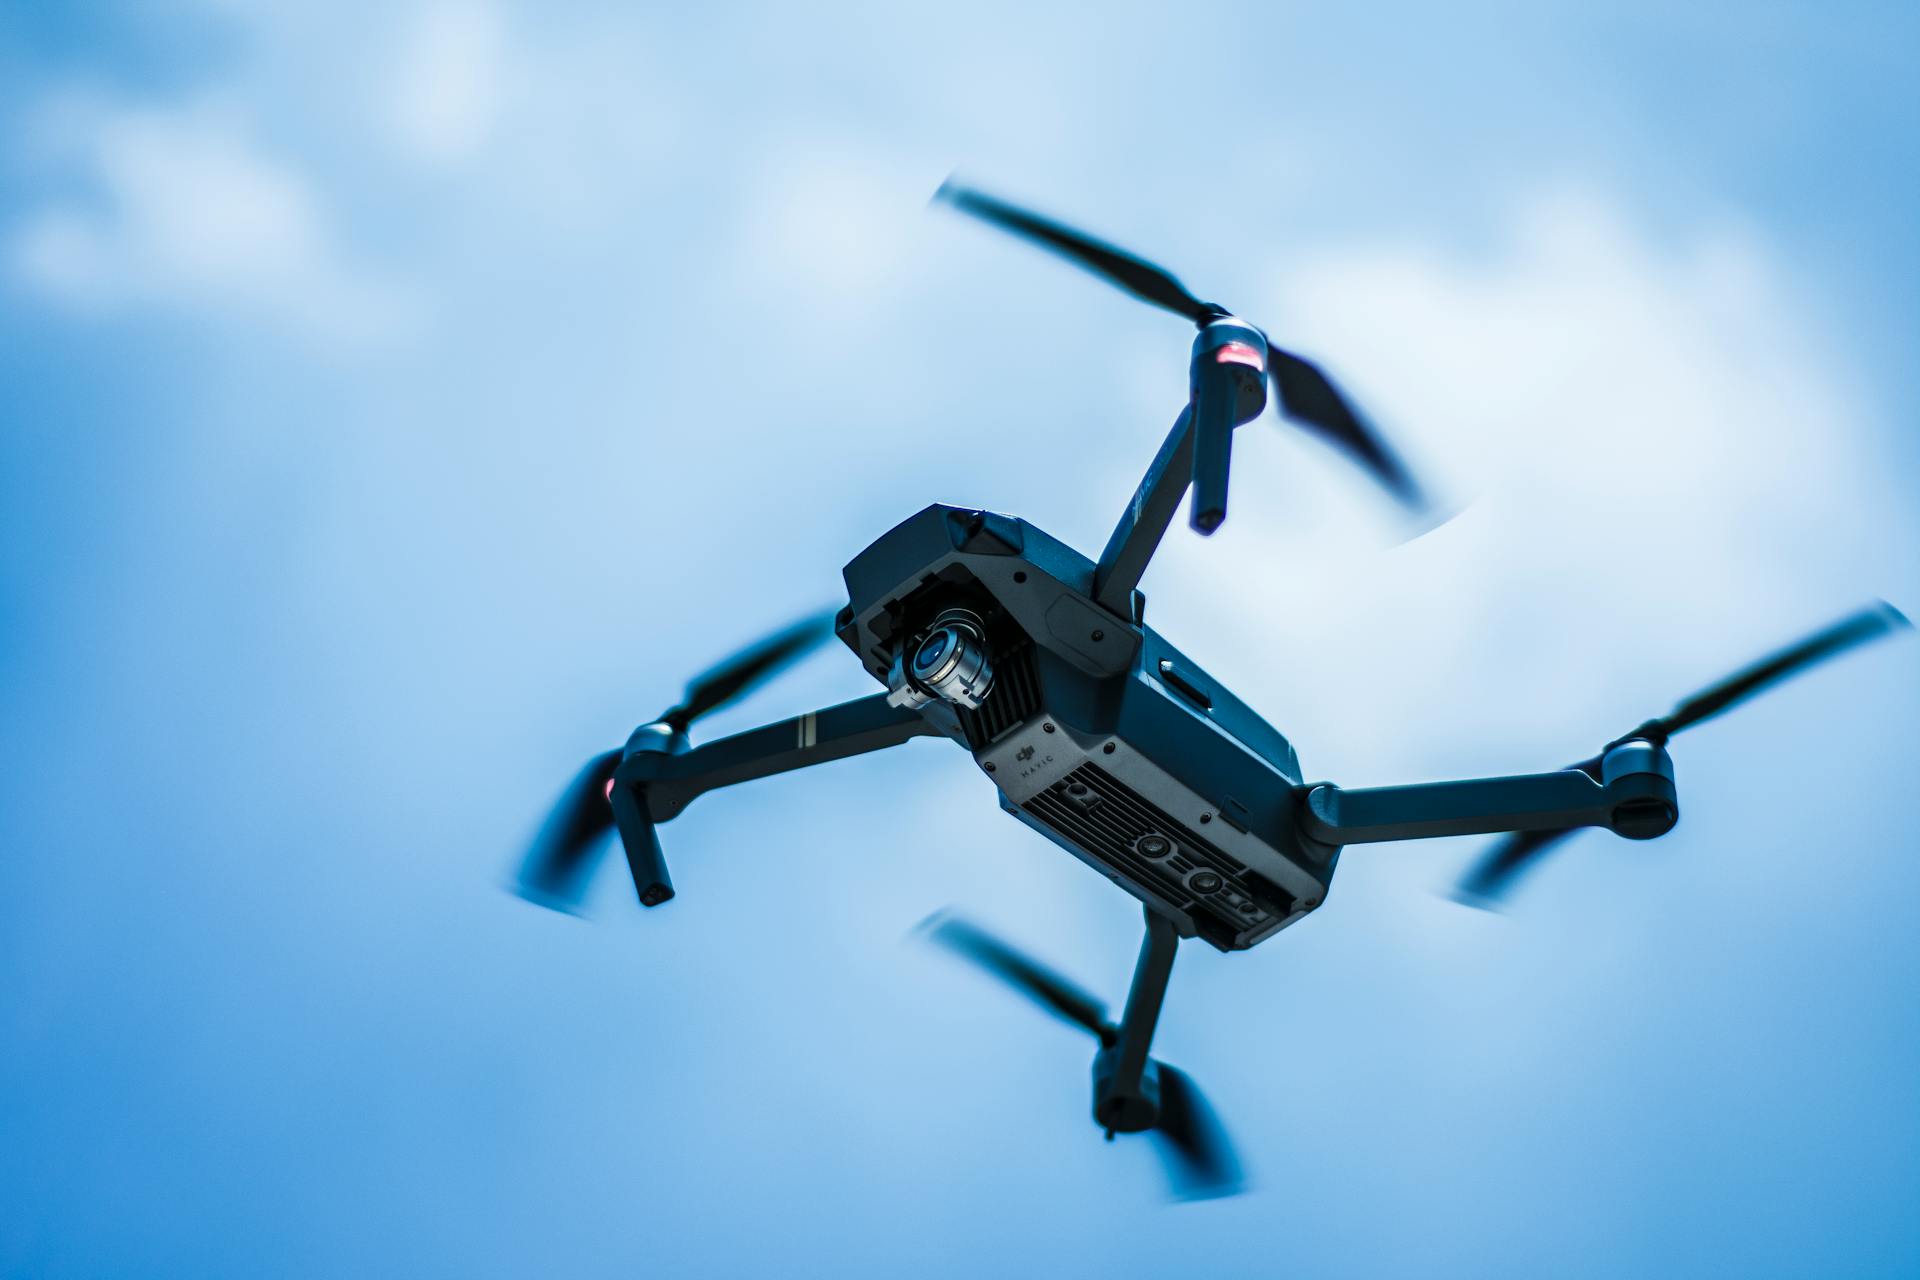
(192, 213)
(564, 116)
(824, 219)
(448, 82)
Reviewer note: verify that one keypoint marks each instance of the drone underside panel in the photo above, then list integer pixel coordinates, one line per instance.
(1156, 806)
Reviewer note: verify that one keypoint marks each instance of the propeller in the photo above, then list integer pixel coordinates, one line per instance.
(555, 870)
(721, 684)
(1494, 876)
(1194, 1146)
(1057, 995)
(1305, 393)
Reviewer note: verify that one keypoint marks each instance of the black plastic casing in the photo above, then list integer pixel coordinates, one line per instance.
(1096, 731)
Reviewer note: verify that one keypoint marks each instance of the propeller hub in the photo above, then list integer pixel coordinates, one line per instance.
(1638, 776)
(1230, 347)
(657, 737)
(1124, 1112)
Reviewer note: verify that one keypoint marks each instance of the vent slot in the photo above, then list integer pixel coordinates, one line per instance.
(1096, 812)
(1015, 696)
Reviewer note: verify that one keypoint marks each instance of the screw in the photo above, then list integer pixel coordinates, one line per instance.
(989, 766)
(1047, 727)
(1099, 635)
(1019, 577)
(1108, 749)
(1206, 818)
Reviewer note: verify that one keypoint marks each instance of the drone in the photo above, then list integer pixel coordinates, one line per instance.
(1101, 736)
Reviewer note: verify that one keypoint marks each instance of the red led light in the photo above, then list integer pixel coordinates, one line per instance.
(1240, 353)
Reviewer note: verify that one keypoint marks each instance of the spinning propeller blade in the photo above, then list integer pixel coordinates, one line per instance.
(1142, 279)
(1057, 995)
(747, 668)
(1198, 1155)
(1304, 392)
(555, 871)
(1309, 397)
(1876, 620)
(1494, 876)
(556, 868)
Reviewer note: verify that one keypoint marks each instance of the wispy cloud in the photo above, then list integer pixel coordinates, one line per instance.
(448, 82)
(185, 209)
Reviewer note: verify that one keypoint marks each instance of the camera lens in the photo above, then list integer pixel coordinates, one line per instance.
(932, 649)
(1204, 881)
(1153, 846)
(951, 661)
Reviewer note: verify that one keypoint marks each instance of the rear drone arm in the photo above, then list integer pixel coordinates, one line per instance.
(655, 782)
(1629, 789)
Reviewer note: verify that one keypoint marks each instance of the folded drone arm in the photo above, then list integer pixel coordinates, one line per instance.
(670, 782)
(1629, 789)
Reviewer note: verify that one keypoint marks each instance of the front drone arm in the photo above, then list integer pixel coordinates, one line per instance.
(1145, 521)
(1227, 388)
(661, 774)
(670, 782)
(1629, 789)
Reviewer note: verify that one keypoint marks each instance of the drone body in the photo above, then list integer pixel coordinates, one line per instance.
(1096, 731)
(1102, 737)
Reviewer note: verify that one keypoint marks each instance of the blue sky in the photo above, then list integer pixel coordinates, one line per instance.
(402, 400)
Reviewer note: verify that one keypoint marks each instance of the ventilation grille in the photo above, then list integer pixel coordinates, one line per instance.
(1015, 696)
(1108, 819)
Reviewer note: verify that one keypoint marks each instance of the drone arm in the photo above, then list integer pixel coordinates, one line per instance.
(1532, 802)
(1630, 789)
(670, 782)
(1146, 520)
(1150, 975)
